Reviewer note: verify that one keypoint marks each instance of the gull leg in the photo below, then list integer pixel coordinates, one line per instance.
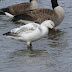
(30, 45)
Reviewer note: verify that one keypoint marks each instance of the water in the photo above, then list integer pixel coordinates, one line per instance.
(52, 54)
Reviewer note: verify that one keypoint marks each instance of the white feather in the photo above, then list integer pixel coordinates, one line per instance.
(9, 15)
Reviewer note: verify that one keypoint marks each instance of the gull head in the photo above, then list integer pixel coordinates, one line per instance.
(49, 24)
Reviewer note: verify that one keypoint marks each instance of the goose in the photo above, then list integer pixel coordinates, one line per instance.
(31, 32)
(41, 14)
(17, 9)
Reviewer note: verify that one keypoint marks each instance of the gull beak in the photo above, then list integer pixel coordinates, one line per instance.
(54, 28)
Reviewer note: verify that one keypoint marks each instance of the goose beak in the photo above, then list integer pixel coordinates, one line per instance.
(54, 28)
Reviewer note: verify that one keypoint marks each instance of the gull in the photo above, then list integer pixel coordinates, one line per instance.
(31, 32)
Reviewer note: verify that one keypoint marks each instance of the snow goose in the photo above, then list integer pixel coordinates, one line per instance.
(17, 9)
(41, 14)
(31, 32)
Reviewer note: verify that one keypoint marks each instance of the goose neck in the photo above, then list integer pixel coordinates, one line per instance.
(54, 3)
(33, 5)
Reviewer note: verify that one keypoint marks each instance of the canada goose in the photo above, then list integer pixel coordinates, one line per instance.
(31, 32)
(17, 9)
(41, 14)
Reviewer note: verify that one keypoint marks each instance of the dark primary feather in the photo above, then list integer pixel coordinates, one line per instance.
(37, 15)
(10, 34)
(7, 33)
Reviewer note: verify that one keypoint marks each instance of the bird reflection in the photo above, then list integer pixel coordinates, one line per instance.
(30, 53)
(56, 39)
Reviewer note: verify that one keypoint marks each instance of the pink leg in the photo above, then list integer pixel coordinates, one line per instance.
(28, 46)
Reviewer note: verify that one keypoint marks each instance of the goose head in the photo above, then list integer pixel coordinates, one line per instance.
(32, 0)
(54, 3)
(49, 24)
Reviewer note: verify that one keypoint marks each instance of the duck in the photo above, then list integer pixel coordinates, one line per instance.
(17, 9)
(41, 14)
(31, 32)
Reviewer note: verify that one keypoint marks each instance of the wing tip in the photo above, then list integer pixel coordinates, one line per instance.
(8, 33)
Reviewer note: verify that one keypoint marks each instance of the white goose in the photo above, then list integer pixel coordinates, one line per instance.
(17, 9)
(41, 14)
(31, 32)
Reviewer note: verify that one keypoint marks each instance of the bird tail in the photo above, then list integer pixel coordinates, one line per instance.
(5, 12)
(7, 34)
(1, 12)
